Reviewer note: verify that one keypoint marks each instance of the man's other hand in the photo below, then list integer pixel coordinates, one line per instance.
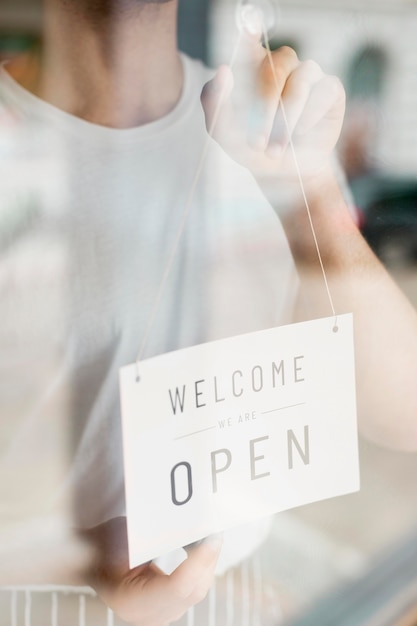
(146, 596)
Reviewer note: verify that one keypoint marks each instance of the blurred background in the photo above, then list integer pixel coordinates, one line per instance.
(371, 45)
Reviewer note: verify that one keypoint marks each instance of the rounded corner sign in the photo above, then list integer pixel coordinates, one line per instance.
(222, 433)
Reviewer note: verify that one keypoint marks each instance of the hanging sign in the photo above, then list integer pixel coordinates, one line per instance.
(226, 432)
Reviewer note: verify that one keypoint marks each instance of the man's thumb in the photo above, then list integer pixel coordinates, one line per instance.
(215, 94)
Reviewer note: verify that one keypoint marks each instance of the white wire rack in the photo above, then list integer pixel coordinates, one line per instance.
(236, 599)
(51, 605)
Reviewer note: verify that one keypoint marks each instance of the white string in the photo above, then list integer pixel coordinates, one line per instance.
(185, 213)
(297, 169)
(190, 197)
(230, 598)
(13, 607)
(257, 585)
(81, 613)
(28, 608)
(54, 609)
(212, 605)
(190, 616)
(245, 594)
(110, 617)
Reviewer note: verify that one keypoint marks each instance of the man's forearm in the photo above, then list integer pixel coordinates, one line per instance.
(385, 323)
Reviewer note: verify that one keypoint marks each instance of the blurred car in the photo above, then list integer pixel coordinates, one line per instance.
(388, 214)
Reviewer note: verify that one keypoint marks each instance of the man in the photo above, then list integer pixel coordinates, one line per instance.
(120, 106)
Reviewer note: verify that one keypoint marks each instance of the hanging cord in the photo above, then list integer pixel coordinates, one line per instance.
(298, 171)
(185, 213)
(191, 193)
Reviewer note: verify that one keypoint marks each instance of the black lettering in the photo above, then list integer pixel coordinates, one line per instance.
(217, 470)
(177, 399)
(173, 484)
(276, 371)
(198, 393)
(257, 368)
(215, 391)
(235, 393)
(297, 369)
(304, 453)
(253, 458)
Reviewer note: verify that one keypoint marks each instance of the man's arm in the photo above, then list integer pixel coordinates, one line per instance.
(385, 324)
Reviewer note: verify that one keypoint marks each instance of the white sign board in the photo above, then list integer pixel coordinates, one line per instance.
(226, 432)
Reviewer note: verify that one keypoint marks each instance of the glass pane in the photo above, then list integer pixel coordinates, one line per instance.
(152, 201)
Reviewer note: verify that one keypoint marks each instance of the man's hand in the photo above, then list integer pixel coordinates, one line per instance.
(146, 596)
(249, 123)
(385, 322)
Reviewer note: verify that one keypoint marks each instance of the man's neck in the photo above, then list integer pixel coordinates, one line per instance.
(123, 73)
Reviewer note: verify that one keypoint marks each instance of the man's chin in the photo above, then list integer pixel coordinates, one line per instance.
(98, 10)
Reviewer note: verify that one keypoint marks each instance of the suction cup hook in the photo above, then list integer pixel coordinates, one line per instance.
(253, 16)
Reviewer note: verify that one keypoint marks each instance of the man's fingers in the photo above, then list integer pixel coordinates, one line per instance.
(327, 101)
(270, 86)
(273, 79)
(215, 95)
(193, 576)
(220, 116)
(192, 579)
(295, 98)
(292, 99)
(145, 595)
